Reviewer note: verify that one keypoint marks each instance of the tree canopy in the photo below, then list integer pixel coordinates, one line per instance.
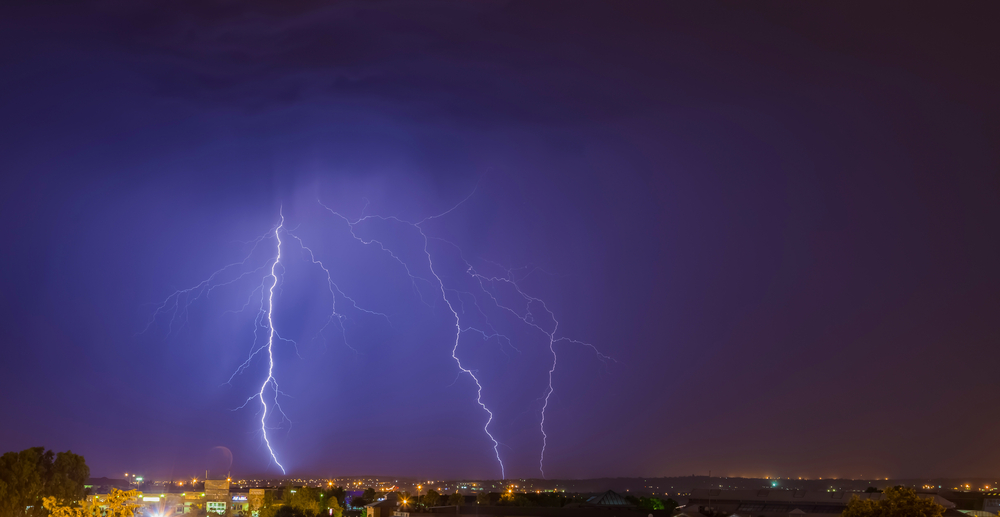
(118, 503)
(264, 506)
(289, 511)
(651, 503)
(337, 492)
(896, 502)
(299, 501)
(302, 499)
(431, 498)
(28, 476)
(333, 507)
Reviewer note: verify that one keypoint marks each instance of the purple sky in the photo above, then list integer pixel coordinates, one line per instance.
(780, 220)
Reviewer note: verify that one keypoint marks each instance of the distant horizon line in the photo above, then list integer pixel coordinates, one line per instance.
(417, 479)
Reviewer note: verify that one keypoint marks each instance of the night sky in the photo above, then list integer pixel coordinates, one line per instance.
(779, 220)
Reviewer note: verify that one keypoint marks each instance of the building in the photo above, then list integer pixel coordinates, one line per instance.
(217, 497)
(609, 498)
(384, 508)
(104, 485)
(967, 501)
(158, 502)
(255, 498)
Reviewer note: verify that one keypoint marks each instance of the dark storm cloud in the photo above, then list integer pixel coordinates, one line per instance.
(423, 57)
(781, 219)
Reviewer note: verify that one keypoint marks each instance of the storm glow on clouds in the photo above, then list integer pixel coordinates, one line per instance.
(779, 223)
(470, 303)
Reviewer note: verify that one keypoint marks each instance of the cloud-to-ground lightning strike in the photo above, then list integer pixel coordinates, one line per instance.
(534, 312)
(270, 380)
(178, 304)
(529, 319)
(526, 316)
(444, 296)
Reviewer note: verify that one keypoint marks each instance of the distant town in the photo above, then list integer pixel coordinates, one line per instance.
(389, 496)
(36, 482)
(676, 486)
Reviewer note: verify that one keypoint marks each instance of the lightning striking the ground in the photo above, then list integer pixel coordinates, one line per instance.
(502, 291)
(177, 306)
(530, 319)
(439, 285)
(486, 284)
(270, 380)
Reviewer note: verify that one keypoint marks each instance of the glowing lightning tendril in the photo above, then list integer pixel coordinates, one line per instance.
(178, 304)
(454, 352)
(440, 286)
(527, 316)
(270, 345)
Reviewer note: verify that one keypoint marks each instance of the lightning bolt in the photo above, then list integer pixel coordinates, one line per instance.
(178, 304)
(530, 319)
(486, 284)
(527, 316)
(454, 353)
(530, 310)
(270, 380)
(439, 284)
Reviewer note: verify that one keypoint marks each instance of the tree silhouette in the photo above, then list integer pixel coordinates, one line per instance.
(896, 502)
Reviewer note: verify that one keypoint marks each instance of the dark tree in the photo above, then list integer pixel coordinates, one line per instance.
(196, 511)
(28, 476)
(369, 494)
(289, 511)
(332, 506)
(547, 500)
(265, 507)
(431, 498)
(651, 503)
(456, 499)
(337, 493)
(897, 502)
(303, 499)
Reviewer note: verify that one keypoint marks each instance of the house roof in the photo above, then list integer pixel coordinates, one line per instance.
(609, 498)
